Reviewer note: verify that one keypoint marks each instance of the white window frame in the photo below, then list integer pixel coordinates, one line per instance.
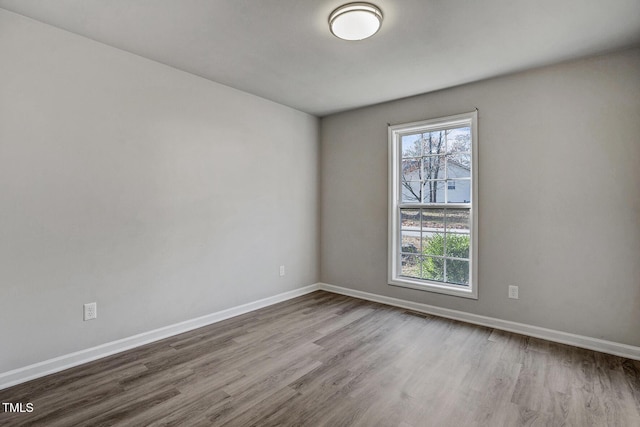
(395, 203)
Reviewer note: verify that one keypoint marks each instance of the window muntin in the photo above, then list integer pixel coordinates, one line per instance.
(432, 243)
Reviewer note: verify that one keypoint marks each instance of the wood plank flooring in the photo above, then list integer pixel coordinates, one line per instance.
(330, 360)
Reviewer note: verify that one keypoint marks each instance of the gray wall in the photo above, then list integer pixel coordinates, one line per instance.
(559, 205)
(158, 194)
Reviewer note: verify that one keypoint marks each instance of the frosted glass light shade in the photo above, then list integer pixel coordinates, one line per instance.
(355, 21)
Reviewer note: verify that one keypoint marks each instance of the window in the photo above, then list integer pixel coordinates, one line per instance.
(432, 205)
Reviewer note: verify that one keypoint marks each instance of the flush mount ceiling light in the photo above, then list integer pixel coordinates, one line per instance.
(355, 21)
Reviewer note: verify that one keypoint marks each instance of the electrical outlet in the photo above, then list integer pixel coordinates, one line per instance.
(90, 311)
(513, 292)
(282, 270)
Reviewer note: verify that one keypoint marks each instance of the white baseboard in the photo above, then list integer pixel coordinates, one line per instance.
(37, 370)
(610, 347)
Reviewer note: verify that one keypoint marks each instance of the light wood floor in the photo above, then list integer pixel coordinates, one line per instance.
(330, 360)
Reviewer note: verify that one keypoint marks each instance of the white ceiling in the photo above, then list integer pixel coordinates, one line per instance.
(282, 50)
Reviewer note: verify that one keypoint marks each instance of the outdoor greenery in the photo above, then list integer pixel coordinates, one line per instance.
(458, 247)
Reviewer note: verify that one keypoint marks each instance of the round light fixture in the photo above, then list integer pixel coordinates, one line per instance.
(355, 21)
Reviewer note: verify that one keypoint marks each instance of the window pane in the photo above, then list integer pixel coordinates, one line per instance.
(411, 170)
(410, 266)
(411, 191)
(410, 218)
(461, 191)
(433, 167)
(458, 220)
(459, 140)
(412, 145)
(433, 231)
(434, 192)
(459, 166)
(432, 243)
(433, 268)
(410, 241)
(434, 142)
(458, 272)
(457, 245)
(433, 219)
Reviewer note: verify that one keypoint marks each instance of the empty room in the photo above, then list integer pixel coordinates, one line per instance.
(319, 213)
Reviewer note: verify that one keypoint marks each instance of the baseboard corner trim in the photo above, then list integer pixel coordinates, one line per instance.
(57, 364)
(589, 343)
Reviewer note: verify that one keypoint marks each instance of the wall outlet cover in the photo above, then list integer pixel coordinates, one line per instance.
(90, 311)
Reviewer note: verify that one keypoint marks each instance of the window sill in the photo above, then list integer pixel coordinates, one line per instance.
(437, 287)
